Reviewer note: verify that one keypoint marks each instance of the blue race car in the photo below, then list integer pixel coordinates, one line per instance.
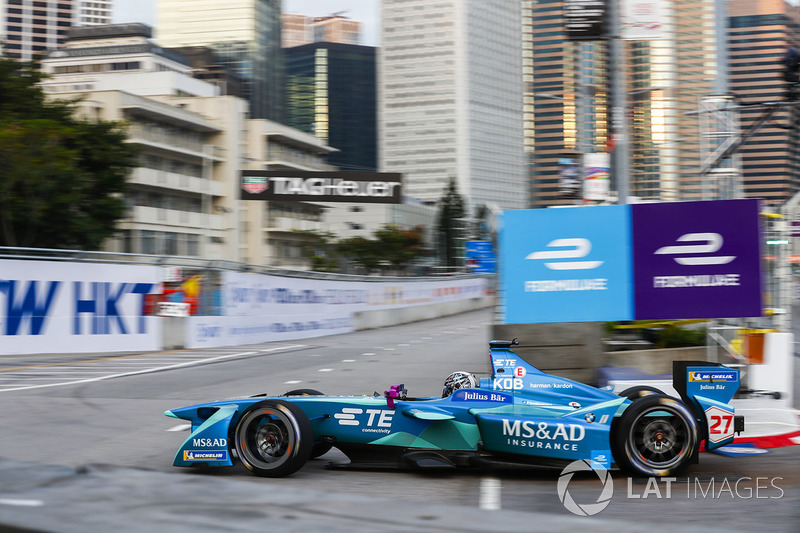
(518, 416)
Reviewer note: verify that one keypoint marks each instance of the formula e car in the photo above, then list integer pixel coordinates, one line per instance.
(518, 416)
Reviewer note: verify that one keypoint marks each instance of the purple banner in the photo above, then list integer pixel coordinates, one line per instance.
(696, 259)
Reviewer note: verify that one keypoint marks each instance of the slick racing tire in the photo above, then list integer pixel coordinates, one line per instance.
(273, 438)
(321, 447)
(656, 436)
(632, 393)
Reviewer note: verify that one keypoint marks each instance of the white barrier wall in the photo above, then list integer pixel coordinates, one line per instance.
(261, 308)
(59, 307)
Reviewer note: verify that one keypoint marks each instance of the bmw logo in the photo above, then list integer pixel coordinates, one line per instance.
(589, 417)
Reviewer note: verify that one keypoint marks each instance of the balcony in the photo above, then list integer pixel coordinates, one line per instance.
(289, 224)
(171, 180)
(169, 217)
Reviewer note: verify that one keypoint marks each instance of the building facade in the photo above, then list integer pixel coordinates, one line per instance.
(28, 29)
(759, 32)
(298, 30)
(244, 35)
(450, 99)
(183, 198)
(331, 93)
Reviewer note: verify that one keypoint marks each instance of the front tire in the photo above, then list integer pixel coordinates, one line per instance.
(656, 436)
(273, 438)
(321, 447)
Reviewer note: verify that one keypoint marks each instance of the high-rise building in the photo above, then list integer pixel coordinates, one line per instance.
(569, 111)
(759, 32)
(28, 28)
(244, 34)
(331, 93)
(94, 12)
(298, 30)
(450, 99)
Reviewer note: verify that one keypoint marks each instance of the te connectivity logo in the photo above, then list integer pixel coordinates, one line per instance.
(705, 243)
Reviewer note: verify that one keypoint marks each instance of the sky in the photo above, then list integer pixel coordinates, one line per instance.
(365, 11)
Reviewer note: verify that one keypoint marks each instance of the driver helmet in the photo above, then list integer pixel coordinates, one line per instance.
(459, 380)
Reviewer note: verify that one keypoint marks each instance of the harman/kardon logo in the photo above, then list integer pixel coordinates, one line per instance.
(708, 243)
(574, 249)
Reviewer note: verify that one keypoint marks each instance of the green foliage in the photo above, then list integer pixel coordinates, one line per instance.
(392, 245)
(451, 209)
(675, 337)
(62, 178)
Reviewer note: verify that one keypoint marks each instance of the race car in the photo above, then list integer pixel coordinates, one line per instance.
(518, 416)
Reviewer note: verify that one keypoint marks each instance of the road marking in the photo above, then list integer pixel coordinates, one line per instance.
(21, 503)
(292, 382)
(368, 353)
(348, 360)
(389, 349)
(403, 344)
(181, 427)
(325, 370)
(196, 362)
(490, 494)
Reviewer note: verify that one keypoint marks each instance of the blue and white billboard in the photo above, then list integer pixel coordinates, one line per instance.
(566, 265)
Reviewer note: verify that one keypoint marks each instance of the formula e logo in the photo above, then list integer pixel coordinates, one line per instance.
(573, 249)
(705, 243)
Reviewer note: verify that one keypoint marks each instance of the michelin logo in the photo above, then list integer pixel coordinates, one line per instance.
(202, 455)
(708, 377)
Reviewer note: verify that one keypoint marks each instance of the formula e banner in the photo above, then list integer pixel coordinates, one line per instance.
(60, 307)
(307, 186)
(631, 262)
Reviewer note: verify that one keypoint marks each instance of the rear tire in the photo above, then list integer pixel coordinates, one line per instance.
(656, 436)
(273, 438)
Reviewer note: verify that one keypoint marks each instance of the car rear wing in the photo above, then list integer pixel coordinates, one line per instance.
(707, 388)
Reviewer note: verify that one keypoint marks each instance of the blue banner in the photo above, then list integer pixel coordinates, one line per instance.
(566, 265)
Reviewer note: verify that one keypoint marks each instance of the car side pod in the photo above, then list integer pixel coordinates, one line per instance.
(208, 443)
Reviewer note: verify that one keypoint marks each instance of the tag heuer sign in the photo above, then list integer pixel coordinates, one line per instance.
(254, 184)
(305, 186)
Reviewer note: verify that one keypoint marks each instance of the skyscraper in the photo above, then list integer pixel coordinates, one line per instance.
(759, 32)
(568, 109)
(28, 29)
(298, 30)
(331, 93)
(450, 99)
(94, 12)
(244, 34)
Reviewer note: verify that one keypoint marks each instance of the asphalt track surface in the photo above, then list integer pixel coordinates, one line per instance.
(85, 447)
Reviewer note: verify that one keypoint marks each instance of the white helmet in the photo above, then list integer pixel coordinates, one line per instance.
(459, 380)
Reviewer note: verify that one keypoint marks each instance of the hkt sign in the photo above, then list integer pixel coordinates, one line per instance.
(639, 262)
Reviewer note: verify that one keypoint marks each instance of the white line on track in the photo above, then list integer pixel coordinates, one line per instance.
(368, 353)
(195, 362)
(348, 360)
(21, 503)
(325, 370)
(490, 494)
(292, 382)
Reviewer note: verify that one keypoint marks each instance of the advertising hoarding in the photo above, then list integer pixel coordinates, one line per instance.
(643, 20)
(566, 265)
(305, 186)
(584, 19)
(697, 259)
(670, 260)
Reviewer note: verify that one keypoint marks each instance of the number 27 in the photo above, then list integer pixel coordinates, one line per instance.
(717, 422)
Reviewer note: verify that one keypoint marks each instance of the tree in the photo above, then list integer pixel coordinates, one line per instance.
(320, 248)
(362, 251)
(400, 246)
(62, 178)
(451, 209)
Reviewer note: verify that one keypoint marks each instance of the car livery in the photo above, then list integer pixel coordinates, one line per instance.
(518, 415)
